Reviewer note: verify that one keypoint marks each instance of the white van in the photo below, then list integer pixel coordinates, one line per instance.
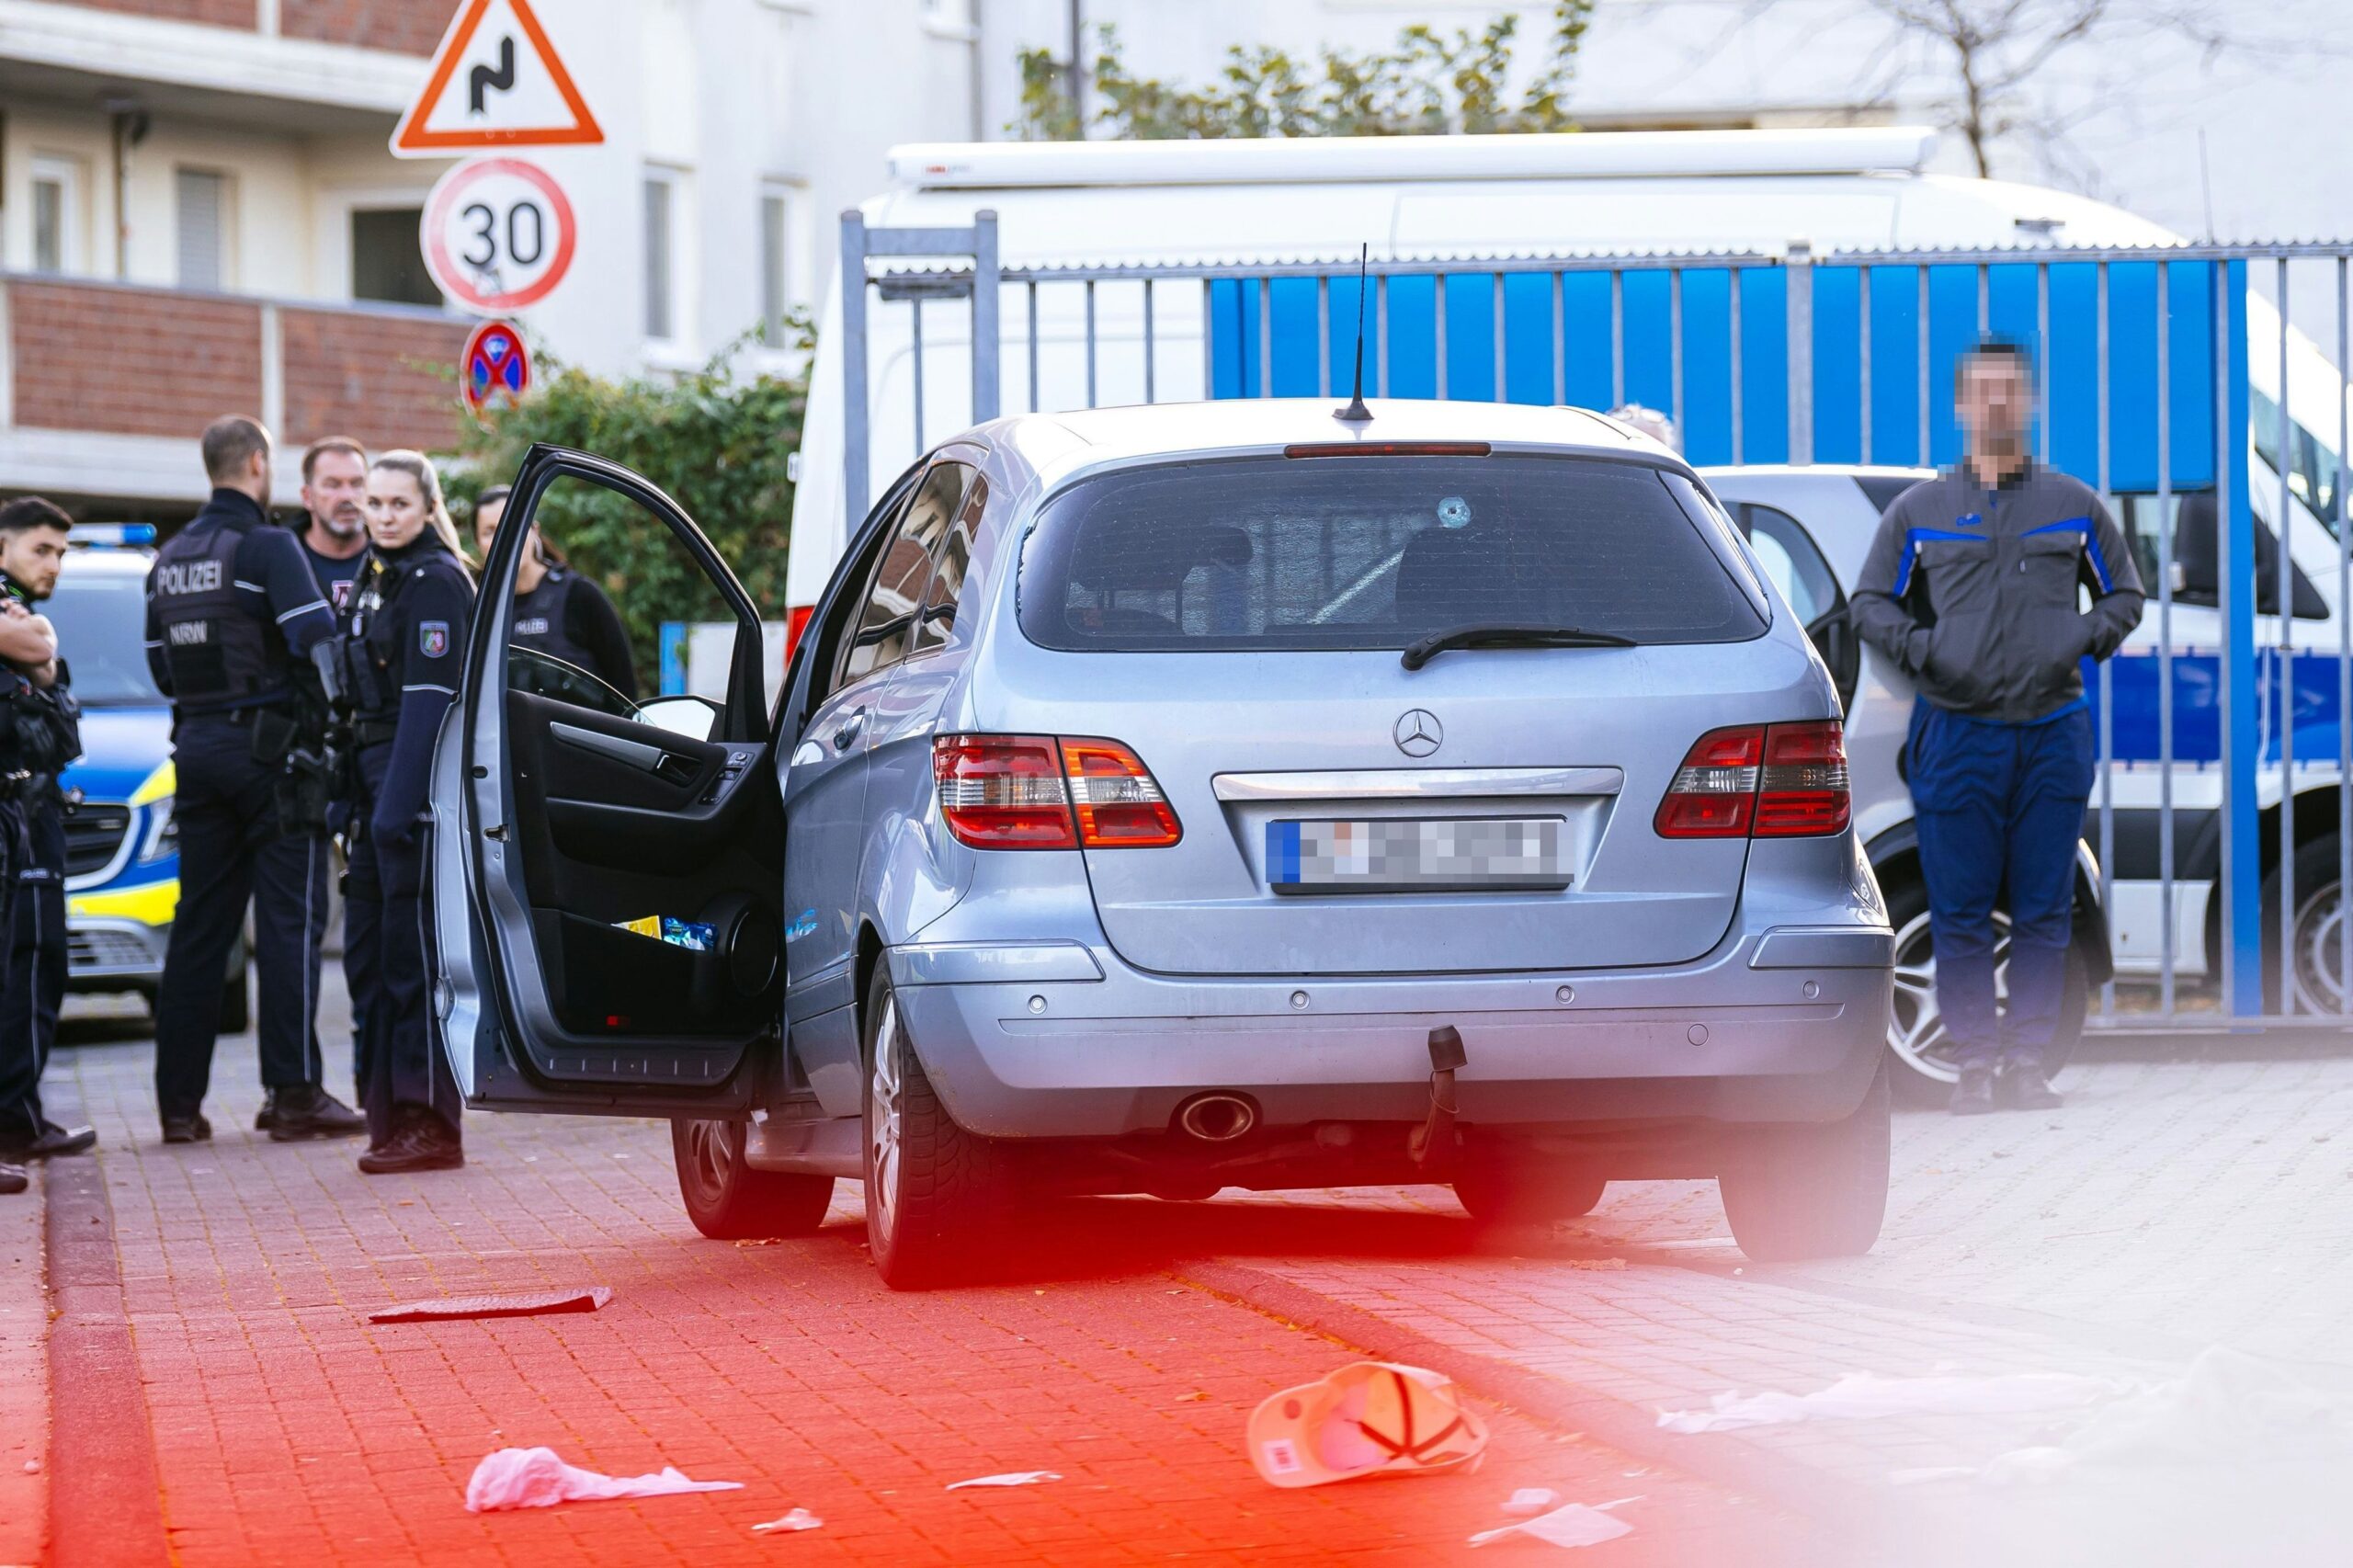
(1433, 199)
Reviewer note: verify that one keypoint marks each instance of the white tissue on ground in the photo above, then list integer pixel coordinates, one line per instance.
(1012, 1478)
(1861, 1395)
(1574, 1525)
(536, 1478)
(799, 1520)
(2227, 1407)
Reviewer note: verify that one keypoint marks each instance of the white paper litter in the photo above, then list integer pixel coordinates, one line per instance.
(1012, 1478)
(1861, 1395)
(1574, 1525)
(799, 1520)
(2227, 1407)
(536, 1478)
(1530, 1500)
(1919, 1475)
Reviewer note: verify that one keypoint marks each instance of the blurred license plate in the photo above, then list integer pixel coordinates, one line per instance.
(1386, 854)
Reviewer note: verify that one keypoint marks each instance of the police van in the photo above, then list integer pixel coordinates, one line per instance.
(1684, 193)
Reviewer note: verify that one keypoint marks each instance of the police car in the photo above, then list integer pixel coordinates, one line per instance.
(122, 870)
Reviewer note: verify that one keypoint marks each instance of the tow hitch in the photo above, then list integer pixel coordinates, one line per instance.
(1431, 1144)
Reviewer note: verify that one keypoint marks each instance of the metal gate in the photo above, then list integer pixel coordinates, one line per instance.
(2170, 387)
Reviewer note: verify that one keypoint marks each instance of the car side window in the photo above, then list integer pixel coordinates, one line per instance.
(886, 624)
(949, 567)
(1791, 560)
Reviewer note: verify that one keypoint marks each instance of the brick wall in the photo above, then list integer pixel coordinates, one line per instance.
(385, 381)
(219, 12)
(405, 27)
(131, 363)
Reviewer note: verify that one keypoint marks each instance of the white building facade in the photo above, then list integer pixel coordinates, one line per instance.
(199, 214)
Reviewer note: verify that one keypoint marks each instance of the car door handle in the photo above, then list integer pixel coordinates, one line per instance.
(846, 737)
(637, 754)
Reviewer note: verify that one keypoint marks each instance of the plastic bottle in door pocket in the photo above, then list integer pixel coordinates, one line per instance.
(690, 934)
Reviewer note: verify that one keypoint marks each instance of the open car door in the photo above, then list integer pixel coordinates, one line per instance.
(606, 873)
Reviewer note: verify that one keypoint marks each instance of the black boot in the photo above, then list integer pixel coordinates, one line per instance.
(266, 1119)
(13, 1178)
(306, 1111)
(190, 1128)
(1974, 1096)
(422, 1144)
(2025, 1087)
(55, 1141)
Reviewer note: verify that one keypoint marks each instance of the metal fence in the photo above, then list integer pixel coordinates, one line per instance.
(2173, 386)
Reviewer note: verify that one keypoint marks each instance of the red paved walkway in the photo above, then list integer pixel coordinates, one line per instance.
(289, 1430)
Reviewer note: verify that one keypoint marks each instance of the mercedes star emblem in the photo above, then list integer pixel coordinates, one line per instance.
(1418, 733)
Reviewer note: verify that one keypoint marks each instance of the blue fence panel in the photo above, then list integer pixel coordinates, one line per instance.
(1707, 366)
(1895, 365)
(1838, 364)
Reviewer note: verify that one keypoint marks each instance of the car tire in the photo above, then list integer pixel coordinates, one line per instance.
(727, 1199)
(933, 1191)
(1502, 1190)
(1810, 1189)
(2319, 908)
(1919, 1053)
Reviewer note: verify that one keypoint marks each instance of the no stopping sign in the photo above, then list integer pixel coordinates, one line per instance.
(498, 235)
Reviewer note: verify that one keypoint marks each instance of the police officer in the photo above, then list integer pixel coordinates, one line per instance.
(398, 660)
(334, 517)
(557, 611)
(230, 607)
(27, 665)
(1970, 590)
(33, 536)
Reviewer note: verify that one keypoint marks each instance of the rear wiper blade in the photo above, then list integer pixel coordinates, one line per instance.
(1510, 636)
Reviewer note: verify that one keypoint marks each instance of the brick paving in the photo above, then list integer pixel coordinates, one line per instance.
(289, 1430)
(24, 1378)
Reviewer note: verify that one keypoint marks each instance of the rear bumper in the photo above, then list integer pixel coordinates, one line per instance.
(1024, 1041)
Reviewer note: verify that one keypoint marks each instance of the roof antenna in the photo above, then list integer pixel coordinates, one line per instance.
(1356, 413)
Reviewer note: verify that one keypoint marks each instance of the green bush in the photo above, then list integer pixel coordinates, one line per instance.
(714, 442)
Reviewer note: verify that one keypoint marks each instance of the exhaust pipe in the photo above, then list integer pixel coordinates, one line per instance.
(1217, 1116)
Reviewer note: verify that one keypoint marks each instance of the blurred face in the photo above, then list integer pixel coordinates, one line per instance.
(336, 494)
(486, 518)
(32, 558)
(396, 508)
(1995, 400)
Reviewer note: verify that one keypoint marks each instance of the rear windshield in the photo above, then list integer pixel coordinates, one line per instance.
(1373, 552)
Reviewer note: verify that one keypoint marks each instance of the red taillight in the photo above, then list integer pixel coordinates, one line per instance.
(1118, 802)
(1003, 792)
(1760, 781)
(1803, 794)
(1387, 449)
(1038, 793)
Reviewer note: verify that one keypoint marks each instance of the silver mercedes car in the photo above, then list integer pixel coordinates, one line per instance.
(1175, 798)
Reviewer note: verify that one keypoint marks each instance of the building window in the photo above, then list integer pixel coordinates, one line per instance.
(780, 262)
(386, 262)
(201, 207)
(661, 257)
(57, 215)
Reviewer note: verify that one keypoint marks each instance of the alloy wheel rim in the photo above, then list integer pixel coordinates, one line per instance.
(1915, 1026)
(711, 1156)
(2320, 954)
(882, 1131)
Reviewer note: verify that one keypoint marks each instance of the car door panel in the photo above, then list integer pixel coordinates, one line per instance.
(564, 827)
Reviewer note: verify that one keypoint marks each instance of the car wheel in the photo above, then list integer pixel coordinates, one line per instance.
(1524, 1191)
(1919, 1050)
(727, 1199)
(932, 1189)
(1814, 1190)
(2319, 935)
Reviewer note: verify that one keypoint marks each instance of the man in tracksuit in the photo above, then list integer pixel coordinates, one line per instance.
(1970, 589)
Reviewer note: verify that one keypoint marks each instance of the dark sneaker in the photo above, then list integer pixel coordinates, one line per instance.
(55, 1141)
(311, 1112)
(423, 1144)
(2025, 1088)
(190, 1129)
(13, 1178)
(1974, 1096)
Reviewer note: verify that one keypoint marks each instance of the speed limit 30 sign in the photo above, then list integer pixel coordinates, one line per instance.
(498, 235)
